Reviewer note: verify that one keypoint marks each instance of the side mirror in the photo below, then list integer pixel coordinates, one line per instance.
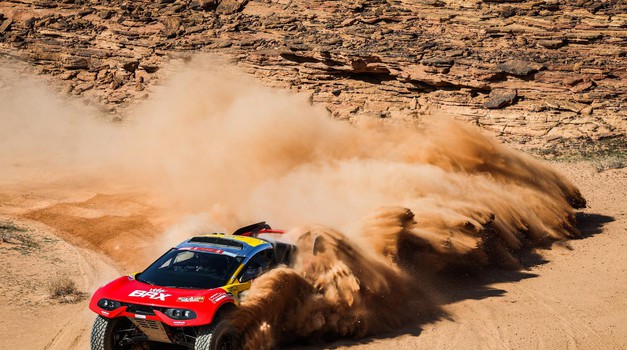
(249, 274)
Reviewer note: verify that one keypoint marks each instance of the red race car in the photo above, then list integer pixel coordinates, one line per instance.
(183, 297)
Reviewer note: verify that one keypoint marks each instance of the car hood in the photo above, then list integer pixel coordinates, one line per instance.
(129, 290)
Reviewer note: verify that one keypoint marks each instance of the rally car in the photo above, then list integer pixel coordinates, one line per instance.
(184, 297)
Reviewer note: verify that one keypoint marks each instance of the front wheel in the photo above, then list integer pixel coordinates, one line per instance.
(108, 334)
(219, 335)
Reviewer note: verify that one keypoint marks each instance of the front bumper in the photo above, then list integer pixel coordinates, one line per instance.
(146, 312)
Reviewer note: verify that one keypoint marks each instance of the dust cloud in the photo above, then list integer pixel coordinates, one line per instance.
(369, 205)
(44, 137)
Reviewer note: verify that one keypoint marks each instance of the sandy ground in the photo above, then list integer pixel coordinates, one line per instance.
(572, 297)
(30, 318)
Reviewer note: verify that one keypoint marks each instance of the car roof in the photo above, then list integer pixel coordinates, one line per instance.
(233, 245)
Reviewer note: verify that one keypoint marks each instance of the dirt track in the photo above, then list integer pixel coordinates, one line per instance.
(574, 297)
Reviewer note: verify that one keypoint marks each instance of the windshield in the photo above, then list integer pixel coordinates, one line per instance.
(190, 269)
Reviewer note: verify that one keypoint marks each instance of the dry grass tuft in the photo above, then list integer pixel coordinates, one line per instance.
(64, 289)
(17, 238)
(7, 231)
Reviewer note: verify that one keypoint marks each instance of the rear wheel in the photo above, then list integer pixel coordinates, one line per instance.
(220, 335)
(111, 334)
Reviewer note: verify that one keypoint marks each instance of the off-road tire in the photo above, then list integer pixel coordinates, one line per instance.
(102, 333)
(220, 335)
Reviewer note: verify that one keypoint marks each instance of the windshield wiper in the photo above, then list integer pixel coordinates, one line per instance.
(147, 281)
(182, 287)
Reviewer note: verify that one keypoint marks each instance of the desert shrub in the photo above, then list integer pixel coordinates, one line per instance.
(18, 237)
(609, 163)
(8, 230)
(605, 154)
(64, 289)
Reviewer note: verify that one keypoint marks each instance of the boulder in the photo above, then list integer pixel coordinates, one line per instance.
(519, 67)
(500, 98)
(229, 7)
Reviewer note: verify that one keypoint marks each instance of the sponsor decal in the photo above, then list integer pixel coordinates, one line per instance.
(104, 313)
(179, 322)
(217, 297)
(154, 294)
(140, 316)
(219, 251)
(191, 299)
(212, 250)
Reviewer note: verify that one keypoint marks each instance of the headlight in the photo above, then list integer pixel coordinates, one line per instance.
(180, 314)
(109, 304)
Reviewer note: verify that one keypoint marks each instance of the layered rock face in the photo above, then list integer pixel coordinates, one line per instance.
(528, 71)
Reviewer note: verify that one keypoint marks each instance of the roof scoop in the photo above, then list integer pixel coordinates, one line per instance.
(253, 230)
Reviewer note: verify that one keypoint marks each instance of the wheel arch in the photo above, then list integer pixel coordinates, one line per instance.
(223, 310)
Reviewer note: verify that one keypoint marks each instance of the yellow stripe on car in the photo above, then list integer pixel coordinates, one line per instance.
(251, 241)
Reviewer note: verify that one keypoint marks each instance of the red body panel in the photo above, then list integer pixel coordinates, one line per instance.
(128, 290)
(264, 231)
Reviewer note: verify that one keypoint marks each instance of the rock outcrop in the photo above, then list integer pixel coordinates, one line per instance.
(529, 71)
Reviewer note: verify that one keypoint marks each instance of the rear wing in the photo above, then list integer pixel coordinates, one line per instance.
(255, 229)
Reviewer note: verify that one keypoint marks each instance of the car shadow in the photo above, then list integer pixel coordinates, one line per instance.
(411, 330)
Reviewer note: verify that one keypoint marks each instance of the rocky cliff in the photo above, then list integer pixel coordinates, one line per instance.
(529, 71)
